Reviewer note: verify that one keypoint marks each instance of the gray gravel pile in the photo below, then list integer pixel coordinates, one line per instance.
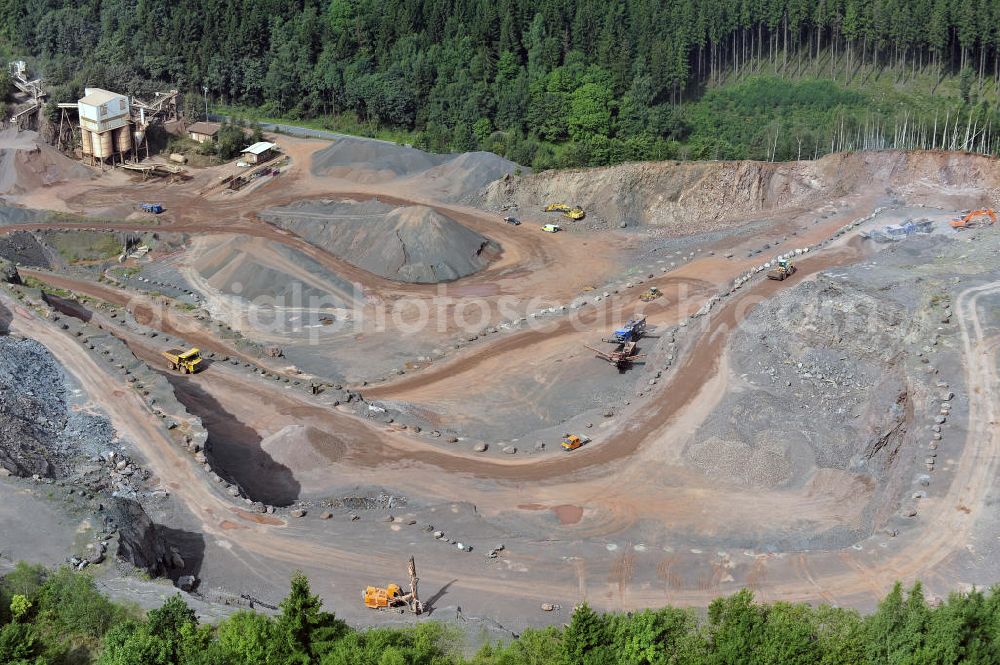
(24, 249)
(11, 215)
(412, 244)
(451, 177)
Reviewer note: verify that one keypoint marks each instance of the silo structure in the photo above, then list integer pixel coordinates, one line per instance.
(104, 115)
(123, 144)
(86, 143)
(104, 147)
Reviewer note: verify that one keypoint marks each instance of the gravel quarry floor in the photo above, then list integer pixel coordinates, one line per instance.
(814, 439)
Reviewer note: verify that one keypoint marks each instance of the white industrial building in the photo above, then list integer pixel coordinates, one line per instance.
(105, 129)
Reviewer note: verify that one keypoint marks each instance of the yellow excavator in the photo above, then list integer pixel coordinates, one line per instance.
(568, 211)
(185, 362)
(380, 598)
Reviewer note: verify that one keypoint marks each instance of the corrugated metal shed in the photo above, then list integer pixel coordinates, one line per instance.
(259, 148)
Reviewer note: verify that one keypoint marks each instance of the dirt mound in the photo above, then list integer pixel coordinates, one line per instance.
(409, 244)
(684, 197)
(27, 164)
(448, 177)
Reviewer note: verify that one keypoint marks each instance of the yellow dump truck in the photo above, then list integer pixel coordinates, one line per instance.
(185, 362)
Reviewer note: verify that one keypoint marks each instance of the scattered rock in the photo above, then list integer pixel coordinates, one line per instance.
(187, 583)
(298, 512)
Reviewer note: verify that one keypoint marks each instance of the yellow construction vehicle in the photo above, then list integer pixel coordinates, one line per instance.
(574, 441)
(782, 271)
(185, 362)
(650, 295)
(378, 598)
(568, 211)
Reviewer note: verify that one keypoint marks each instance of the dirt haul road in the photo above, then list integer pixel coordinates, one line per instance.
(838, 576)
(686, 382)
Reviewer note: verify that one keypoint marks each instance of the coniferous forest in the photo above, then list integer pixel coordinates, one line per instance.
(59, 618)
(552, 82)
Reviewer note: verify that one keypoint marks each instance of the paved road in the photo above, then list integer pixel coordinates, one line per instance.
(304, 132)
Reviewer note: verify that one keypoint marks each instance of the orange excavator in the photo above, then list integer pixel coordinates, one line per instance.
(975, 218)
(378, 598)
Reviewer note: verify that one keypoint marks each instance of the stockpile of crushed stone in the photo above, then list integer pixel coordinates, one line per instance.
(12, 215)
(412, 244)
(25, 249)
(447, 177)
(26, 163)
(267, 273)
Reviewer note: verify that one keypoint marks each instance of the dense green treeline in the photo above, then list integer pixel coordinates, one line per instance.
(546, 82)
(59, 618)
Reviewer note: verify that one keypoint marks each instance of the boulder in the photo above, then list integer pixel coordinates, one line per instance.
(187, 583)
(140, 541)
(8, 272)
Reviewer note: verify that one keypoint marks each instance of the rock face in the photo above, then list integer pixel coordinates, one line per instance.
(140, 542)
(8, 272)
(39, 431)
(720, 194)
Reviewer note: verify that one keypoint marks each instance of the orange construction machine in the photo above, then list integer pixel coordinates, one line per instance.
(975, 218)
(378, 598)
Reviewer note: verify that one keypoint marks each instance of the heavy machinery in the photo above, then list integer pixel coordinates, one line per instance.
(630, 332)
(622, 357)
(782, 271)
(185, 362)
(975, 218)
(154, 208)
(650, 295)
(573, 441)
(378, 598)
(552, 228)
(568, 211)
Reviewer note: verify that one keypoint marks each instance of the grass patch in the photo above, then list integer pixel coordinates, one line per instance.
(81, 246)
(35, 283)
